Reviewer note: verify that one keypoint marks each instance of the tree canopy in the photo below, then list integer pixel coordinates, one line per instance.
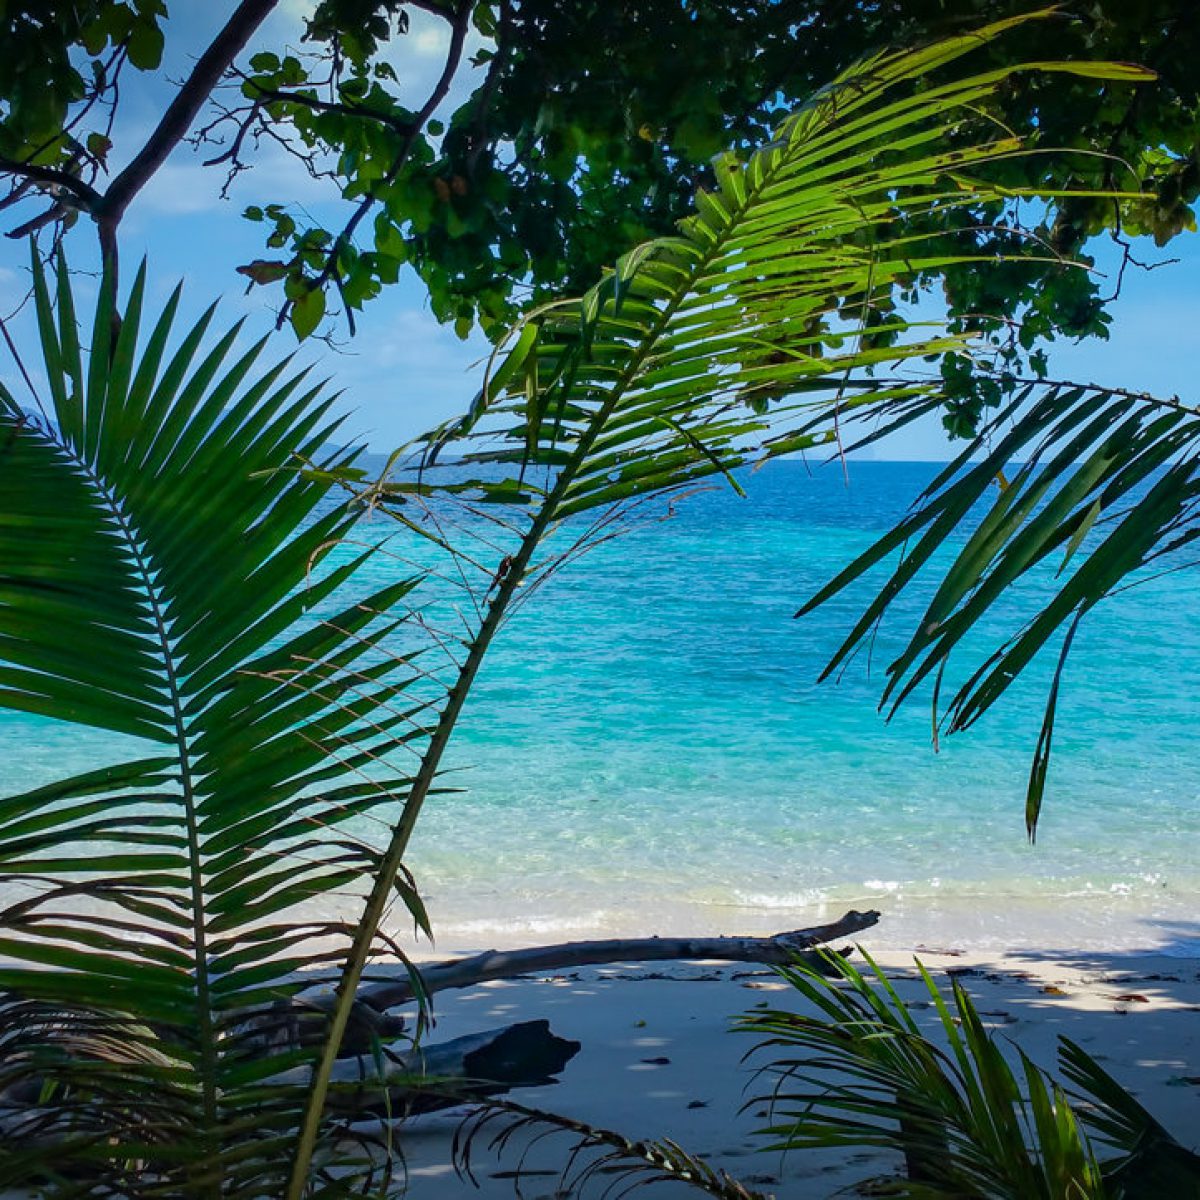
(560, 133)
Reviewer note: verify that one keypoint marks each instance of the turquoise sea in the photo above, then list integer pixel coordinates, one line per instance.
(649, 751)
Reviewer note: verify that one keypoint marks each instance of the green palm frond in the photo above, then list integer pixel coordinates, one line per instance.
(163, 576)
(601, 1161)
(966, 1122)
(752, 334)
(1078, 491)
(716, 348)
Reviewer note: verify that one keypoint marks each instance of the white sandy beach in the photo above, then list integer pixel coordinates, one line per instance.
(658, 1060)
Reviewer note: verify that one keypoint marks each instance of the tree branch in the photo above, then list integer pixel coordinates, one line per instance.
(266, 95)
(181, 112)
(232, 154)
(89, 199)
(491, 81)
(56, 212)
(504, 964)
(441, 88)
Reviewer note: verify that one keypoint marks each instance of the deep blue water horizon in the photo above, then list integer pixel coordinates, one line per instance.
(648, 751)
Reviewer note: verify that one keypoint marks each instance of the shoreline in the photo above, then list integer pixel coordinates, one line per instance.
(658, 1057)
(997, 924)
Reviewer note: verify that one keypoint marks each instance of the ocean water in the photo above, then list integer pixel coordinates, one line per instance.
(648, 751)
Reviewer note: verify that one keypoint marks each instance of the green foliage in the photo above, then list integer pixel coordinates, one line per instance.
(759, 326)
(1147, 1161)
(612, 119)
(589, 128)
(158, 551)
(59, 54)
(969, 1118)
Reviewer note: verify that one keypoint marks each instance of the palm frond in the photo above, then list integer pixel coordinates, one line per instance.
(706, 351)
(858, 1073)
(750, 335)
(611, 1162)
(1077, 491)
(1149, 1162)
(165, 574)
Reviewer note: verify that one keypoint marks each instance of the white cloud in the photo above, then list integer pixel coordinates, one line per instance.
(180, 189)
(284, 27)
(298, 9)
(431, 41)
(184, 186)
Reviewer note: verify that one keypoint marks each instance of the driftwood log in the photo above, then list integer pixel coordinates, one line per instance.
(394, 1084)
(445, 1074)
(302, 1019)
(524, 1055)
(778, 949)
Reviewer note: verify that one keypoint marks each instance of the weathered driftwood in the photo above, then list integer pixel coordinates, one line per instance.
(301, 1020)
(528, 1054)
(505, 964)
(403, 1081)
(411, 1081)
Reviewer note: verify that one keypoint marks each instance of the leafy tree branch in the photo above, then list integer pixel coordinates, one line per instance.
(107, 208)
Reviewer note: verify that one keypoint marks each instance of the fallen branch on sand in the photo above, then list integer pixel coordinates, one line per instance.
(528, 1054)
(301, 1019)
(779, 949)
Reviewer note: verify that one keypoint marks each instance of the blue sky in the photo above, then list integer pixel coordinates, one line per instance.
(404, 372)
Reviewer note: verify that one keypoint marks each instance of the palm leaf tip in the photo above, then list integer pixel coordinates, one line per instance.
(1102, 494)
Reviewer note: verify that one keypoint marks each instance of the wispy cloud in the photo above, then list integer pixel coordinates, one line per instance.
(184, 186)
(404, 372)
(180, 189)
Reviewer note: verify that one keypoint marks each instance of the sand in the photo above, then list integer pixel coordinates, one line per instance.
(658, 1058)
